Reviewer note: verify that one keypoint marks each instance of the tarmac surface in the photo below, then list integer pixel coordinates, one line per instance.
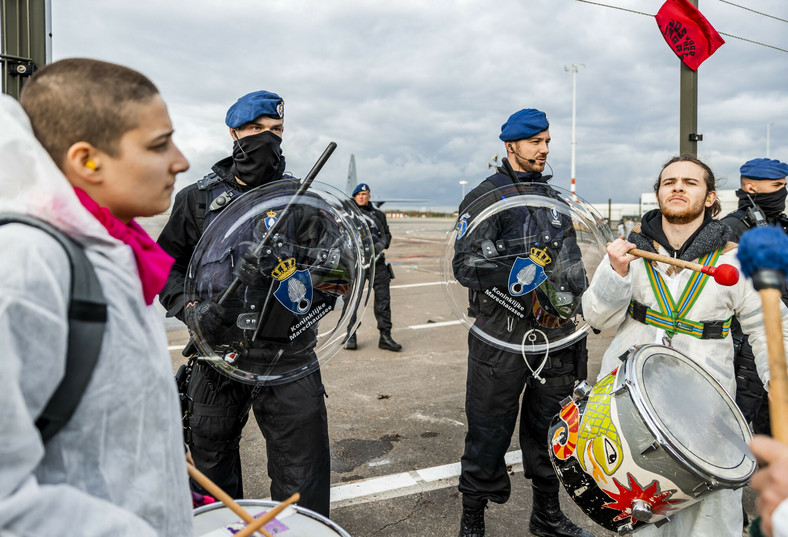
(397, 419)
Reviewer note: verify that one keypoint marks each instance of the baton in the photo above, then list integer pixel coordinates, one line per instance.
(507, 167)
(305, 183)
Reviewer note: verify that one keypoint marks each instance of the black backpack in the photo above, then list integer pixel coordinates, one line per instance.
(87, 317)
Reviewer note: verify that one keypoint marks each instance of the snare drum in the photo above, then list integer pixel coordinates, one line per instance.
(216, 520)
(648, 440)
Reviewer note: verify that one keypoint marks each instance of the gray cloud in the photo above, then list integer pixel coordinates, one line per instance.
(418, 91)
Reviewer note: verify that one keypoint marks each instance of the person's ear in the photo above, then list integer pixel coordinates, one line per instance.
(749, 187)
(711, 197)
(83, 164)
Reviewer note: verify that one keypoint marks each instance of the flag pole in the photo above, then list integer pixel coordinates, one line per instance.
(688, 108)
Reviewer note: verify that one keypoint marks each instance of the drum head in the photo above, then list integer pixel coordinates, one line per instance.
(216, 520)
(693, 413)
(517, 263)
(311, 254)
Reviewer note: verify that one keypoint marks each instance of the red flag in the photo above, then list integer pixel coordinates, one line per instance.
(687, 32)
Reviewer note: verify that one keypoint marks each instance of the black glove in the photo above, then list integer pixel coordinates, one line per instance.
(250, 270)
(206, 319)
(379, 247)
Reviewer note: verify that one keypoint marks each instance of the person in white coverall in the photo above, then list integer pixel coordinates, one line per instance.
(117, 466)
(621, 292)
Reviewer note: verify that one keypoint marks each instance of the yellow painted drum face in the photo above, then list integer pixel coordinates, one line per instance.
(651, 438)
(216, 520)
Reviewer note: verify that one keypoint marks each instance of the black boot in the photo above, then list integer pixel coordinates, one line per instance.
(350, 344)
(387, 343)
(472, 522)
(547, 520)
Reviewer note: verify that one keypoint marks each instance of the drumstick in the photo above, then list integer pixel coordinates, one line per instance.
(258, 523)
(723, 274)
(222, 496)
(763, 254)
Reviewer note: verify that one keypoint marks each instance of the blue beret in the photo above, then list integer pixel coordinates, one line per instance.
(361, 187)
(253, 105)
(764, 168)
(524, 124)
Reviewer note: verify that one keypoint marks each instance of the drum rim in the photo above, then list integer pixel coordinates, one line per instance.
(273, 503)
(627, 377)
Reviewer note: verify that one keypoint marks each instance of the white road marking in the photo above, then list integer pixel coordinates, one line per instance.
(405, 483)
(433, 325)
(406, 285)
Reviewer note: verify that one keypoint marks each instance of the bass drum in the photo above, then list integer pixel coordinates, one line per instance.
(648, 440)
(216, 520)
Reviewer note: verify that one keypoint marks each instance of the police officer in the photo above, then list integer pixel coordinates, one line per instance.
(292, 415)
(496, 377)
(376, 221)
(761, 203)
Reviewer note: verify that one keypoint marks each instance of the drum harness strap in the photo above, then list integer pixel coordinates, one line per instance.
(672, 318)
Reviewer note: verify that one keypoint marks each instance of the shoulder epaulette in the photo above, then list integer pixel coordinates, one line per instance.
(208, 181)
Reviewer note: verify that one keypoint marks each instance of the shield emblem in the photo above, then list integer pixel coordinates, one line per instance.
(270, 219)
(295, 292)
(525, 276)
(462, 227)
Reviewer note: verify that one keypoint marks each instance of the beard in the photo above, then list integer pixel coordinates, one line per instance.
(682, 216)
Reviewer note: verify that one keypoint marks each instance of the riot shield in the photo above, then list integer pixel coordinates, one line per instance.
(305, 259)
(517, 262)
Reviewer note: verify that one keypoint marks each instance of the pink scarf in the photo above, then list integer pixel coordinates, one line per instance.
(153, 263)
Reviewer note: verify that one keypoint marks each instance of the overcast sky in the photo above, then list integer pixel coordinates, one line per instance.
(418, 90)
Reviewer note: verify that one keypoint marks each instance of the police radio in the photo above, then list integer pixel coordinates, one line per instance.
(756, 217)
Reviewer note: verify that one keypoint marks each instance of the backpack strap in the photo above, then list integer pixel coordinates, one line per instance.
(87, 318)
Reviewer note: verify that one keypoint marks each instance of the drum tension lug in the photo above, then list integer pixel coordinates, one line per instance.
(651, 447)
(702, 489)
(581, 390)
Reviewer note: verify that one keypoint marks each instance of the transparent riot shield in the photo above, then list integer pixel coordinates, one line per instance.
(305, 261)
(516, 264)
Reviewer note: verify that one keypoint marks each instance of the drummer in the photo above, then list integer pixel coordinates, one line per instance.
(623, 295)
(292, 416)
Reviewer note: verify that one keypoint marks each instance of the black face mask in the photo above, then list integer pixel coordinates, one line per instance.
(258, 159)
(771, 203)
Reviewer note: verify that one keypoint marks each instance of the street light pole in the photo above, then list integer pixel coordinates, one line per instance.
(768, 138)
(575, 67)
(463, 183)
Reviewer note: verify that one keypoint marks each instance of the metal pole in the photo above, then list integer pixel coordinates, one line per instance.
(575, 67)
(688, 109)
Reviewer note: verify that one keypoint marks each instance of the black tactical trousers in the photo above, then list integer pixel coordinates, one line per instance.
(382, 303)
(292, 418)
(496, 379)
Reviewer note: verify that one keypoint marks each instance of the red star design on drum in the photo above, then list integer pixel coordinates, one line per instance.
(659, 502)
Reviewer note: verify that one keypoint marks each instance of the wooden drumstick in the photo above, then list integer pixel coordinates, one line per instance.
(723, 274)
(763, 254)
(258, 523)
(222, 496)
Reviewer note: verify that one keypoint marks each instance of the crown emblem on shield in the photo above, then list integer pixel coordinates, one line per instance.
(284, 269)
(271, 213)
(540, 257)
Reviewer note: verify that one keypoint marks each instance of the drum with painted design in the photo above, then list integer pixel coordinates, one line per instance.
(648, 440)
(216, 520)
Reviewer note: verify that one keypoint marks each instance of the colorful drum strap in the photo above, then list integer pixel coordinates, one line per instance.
(672, 318)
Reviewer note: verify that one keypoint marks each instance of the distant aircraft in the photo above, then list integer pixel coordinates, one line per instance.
(352, 181)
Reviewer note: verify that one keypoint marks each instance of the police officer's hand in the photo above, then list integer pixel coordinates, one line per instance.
(619, 258)
(205, 318)
(379, 247)
(250, 270)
